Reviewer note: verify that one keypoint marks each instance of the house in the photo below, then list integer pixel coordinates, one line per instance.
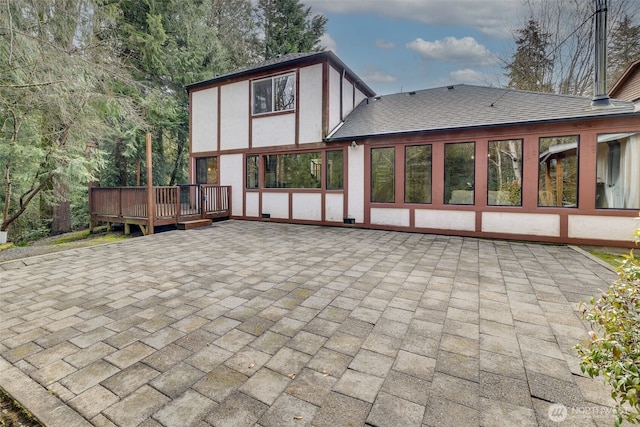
(628, 85)
(302, 139)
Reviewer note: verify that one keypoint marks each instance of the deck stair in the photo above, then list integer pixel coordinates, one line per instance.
(188, 225)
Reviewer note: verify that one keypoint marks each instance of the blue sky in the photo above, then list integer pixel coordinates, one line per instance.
(403, 45)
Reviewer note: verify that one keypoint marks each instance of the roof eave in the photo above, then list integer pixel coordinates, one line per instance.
(260, 69)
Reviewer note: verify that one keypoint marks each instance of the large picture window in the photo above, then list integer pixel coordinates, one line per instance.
(417, 174)
(459, 173)
(558, 171)
(335, 170)
(618, 171)
(274, 94)
(293, 170)
(207, 170)
(505, 173)
(383, 175)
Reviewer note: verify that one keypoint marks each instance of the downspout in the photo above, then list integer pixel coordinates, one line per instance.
(600, 96)
(342, 95)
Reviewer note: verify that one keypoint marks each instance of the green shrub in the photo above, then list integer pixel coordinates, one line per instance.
(613, 347)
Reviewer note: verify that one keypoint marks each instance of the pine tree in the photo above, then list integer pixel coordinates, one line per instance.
(530, 68)
(624, 48)
(290, 28)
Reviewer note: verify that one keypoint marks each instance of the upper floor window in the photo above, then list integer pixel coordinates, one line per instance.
(274, 94)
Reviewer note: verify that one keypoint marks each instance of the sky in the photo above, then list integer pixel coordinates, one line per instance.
(405, 45)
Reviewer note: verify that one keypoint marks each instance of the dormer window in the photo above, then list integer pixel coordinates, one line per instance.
(274, 94)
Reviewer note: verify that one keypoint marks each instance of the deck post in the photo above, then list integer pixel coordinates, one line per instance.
(151, 212)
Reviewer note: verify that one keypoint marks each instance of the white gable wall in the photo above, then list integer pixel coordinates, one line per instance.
(204, 120)
(310, 98)
(234, 116)
(347, 97)
(334, 98)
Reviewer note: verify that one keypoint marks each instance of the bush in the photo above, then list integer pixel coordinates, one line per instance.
(613, 347)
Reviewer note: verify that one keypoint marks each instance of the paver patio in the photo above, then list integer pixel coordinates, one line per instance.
(257, 323)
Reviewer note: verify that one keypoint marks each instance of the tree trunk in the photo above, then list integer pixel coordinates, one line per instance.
(61, 210)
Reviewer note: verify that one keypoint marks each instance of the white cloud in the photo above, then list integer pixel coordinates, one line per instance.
(468, 76)
(328, 43)
(494, 18)
(462, 51)
(383, 44)
(376, 75)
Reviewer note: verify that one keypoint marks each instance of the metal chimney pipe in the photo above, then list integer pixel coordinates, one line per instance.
(600, 97)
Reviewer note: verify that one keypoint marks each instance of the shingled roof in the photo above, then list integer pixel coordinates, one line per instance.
(462, 107)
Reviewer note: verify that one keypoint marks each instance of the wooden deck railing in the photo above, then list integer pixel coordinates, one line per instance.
(129, 205)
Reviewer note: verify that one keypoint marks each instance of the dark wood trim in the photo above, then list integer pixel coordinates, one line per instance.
(325, 99)
(219, 126)
(297, 109)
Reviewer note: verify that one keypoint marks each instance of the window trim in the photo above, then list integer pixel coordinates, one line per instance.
(475, 171)
(273, 94)
(404, 177)
(577, 155)
(522, 167)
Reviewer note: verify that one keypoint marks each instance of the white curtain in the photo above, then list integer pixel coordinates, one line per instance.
(623, 190)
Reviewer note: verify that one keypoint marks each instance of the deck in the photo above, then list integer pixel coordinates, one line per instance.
(184, 205)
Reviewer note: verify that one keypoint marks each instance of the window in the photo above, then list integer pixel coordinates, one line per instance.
(617, 172)
(459, 173)
(335, 170)
(417, 174)
(292, 170)
(558, 171)
(505, 173)
(274, 94)
(252, 172)
(207, 170)
(383, 175)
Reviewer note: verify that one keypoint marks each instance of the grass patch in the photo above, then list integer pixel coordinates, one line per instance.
(71, 237)
(5, 246)
(84, 238)
(607, 257)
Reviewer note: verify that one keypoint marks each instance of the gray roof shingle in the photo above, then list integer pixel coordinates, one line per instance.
(464, 106)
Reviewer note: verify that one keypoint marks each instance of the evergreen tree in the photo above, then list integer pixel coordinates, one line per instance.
(290, 28)
(530, 68)
(56, 77)
(624, 48)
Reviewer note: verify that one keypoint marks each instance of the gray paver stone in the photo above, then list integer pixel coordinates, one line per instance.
(391, 410)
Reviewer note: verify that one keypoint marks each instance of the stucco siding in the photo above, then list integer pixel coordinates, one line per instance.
(334, 98)
(234, 116)
(307, 206)
(521, 223)
(445, 219)
(334, 207)
(602, 227)
(310, 104)
(276, 205)
(274, 130)
(204, 120)
(231, 174)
